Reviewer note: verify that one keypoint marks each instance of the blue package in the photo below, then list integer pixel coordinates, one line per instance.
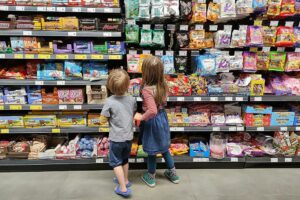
(17, 44)
(50, 71)
(33, 89)
(297, 36)
(168, 62)
(34, 98)
(73, 70)
(94, 71)
(282, 118)
(206, 65)
(199, 149)
(258, 4)
(258, 109)
(116, 47)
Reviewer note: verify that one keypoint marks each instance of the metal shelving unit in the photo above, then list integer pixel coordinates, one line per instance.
(61, 56)
(51, 83)
(272, 98)
(51, 107)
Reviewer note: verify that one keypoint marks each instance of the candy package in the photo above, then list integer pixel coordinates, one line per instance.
(257, 87)
(209, 40)
(182, 40)
(181, 64)
(263, 60)
(259, 4)
(131, 8)
(236, 61)
(73, 70)
(198, 84)
(94, 71)
(297, 6)
(223, 62)
(217, 145)
(132, 33)
(228, 9)
(235, 39)
(17, 44)
(269, 35)
(185, 9)
(285, 37)
(171, 8)
(287, 8)
(277, 61)
(144, 12)
(133, 63)
(213, 11)
(50, 71)
(168, 62)
(274, 7)
(206, 65)
(244, 7)
(223, 39)
(217, 119)
(158, 38)
(292, 62)
(157, 11)
(255, 36)
(297, 36)
(197, 39)
(146, 37)
(250, 59)
(199, 13)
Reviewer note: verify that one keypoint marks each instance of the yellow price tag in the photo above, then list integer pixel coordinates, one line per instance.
(4, 131)
(55, 130)
(258, 23)
(36, 107)
(44, 56)
(115, 57)
(97, 57)
(1, 107)
(29, 56)
(104, 130)
(253, 49)
(81, 57)
(62, 56)
(15, 107)
(18, 56)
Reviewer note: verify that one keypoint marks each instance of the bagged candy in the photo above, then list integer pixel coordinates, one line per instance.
(206, 65)
(255, 36)
(257, 87)
(73, 70)
(171, 8)
(274, 7)
(250, 59)
(146, 37)
(285, 37)
(293, 62)
(133, 63)
(223, 39)
(228, 9)
(297, 6)
(244, 7)
(269, 35)
(144, 12)
(197, 39)
(181, 64)
(168, 62)
(213, 11)
(159, 38)
(287, 8)
(199, 13)
(236, 62)
(132, 33)
(185, 9)
(297, 36)
(223, 62)
(277, 61)
(198, 84)
(157, 11)
(217, 119)
(144, 2)
(259, 4)
(209, 40)
(263, 60)
(235, 38)
(132, 8)
(182, 40)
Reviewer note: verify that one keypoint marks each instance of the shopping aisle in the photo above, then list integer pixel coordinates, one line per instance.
(246, 184)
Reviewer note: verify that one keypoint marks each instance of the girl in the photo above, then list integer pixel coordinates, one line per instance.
(154, 122)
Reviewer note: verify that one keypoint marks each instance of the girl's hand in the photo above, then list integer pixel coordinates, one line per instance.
(138, 117)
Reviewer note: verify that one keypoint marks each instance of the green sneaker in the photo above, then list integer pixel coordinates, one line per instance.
(172, 176)
(148, 179)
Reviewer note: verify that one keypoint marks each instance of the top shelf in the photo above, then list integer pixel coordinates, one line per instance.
(60, 9)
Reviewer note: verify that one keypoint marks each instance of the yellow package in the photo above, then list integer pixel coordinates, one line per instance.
(11, 122)
(69, 23)
(213, 11)
(40, 121)
(257, 87)
(197, 39)
(141, 59)
(71, 120)
(199, 13)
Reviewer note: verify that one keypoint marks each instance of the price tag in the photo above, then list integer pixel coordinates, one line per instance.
(29, 56)
(140, 160)
(131, 160)
(200, 159)
(201, 1)
(146, 52)
(80, 57)
(159, 53)
(132, 52)
(283, 128)
(131, 21)
(147, 26)
(18, 56)
(170, 53)
(232, 128)
(182, 53)
(2, 55)
(107, 34)
(162, 160)
(234, 159)
(184, 27)
(260, 128)
(266, 49)
(216, 128)
(76, 9)
(258, 23)
(289, 23)
(253, 49)
(288, 159)
(72, 34)
(240, 128)
(44, 56)
(61, 9)
(177, 129)
(27, 32)
(108, 10)
(213, 27)
(38, 82)
(197, 99)
(41, 9)
(280, 49)
(239, 98)
(62, 56)
(180, 98)
(97, 57)
(297, 50)
(36, 107)
(4, 8)
(227, 28)
(257, 98)
(99, 160)
(15, 107)
(274, 23)
(274, 160)
(114, 57)
(77, 107)
(1, 107)
(91, 10)
(61, 83)
(139, 99)
(51, 9)
(56, 130)
(228, 98)
(103, 129)
(4, 131)
(20, 8)
(214, 98)
(199, 27)
(62, 107)
(297, 128)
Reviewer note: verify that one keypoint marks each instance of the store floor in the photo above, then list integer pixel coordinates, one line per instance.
(242, 184)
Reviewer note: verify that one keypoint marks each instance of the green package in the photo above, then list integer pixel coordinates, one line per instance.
(132, 9)
(132, 33)
(146, 37)
(277, 61)
(159, 38)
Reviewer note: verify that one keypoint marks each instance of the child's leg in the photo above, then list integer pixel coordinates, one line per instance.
(125, 165)
(151, 164)
(125, 170)
(170, 173)
(121, 179)
(169, 160)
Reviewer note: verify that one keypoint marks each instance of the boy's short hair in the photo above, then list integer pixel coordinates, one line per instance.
(118, 81)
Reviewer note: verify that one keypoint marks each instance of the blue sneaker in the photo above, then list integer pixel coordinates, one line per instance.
(123, 194)
(115, 180)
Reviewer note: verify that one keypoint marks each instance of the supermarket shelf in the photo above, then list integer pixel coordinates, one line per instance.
(62, 56)
(252, 162)
(53, 130)
(207, 129)
(204, 99)
(59, 9)
(57, 83)
(51, 107)
(60, 33)
(273, 98)
(272, 128)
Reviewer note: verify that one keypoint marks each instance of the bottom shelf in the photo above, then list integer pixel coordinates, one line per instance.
(182, 162)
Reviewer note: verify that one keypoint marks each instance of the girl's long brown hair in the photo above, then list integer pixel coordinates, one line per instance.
(153, 75)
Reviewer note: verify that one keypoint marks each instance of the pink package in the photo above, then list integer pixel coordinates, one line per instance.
(292, 84)
(63, 96)
(76, 96)
(255, 36)
(250, 60)
(293, 62)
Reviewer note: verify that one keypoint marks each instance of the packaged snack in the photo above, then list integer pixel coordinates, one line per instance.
(263, 60)
(285, 37)
(297, 36)
(277, 61)
(134, 87)
(94, 71)
(199, 13)
(182, 40)
(11, 122)
(96, 94)
(197, 39)
(198, 84)
(50, 96)
(236, 61)
(50, 71)
(227, 9)
(274, 7)
(14, 91)
(141, 60)
(255, 36)
(157, 11)
(259, 4)
(217, 119)
(71, 121)
(293, 62)
(222, 39)
(287, 8)
(250, 60)
(131, 8)
(73, 70)
(297, 6)
(282, 118)
(85, 47)
(93, 120)
(146, 37)
(269, 35)
(206, 65)
(217, 145)
(144, 2)
(185, 9)
(257, 87)
(168, 62)
(213, 11)
(144, 12)
(17, 44)
(40, 121)
(223, 62)
(158, 38)
(171, 8)
(209, 40)
(116, 47)
(181, 64)
(235, 39)
(30, 44)
(244, 7)
(132, 33)
(133, 63)
(199, 148)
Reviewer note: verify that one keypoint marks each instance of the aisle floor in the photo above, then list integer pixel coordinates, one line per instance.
(212, 184)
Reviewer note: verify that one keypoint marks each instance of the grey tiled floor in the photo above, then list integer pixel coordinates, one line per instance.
(213, 184)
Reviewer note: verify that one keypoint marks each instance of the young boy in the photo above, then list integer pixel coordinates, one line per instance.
(119, 110)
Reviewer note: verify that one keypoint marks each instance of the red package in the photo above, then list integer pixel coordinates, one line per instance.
(285, 37)
(287, 8)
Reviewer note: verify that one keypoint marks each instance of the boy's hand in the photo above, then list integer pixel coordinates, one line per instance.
(138, 118)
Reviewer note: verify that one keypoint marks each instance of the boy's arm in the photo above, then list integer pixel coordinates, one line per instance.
(103, 119)
(105, 113)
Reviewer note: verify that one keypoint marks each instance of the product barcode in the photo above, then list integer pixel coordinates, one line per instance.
(131, 160)
(239, 98)
(240, 128)
(180, 98)
(182, 53)
(214, 98)
(146, 52)
(199, 27)
(232, 129)
(274, 23)
(266, 49)
(159, 53)
(288, 159)
(169, 53)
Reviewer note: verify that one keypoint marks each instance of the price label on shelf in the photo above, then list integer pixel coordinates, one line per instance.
(228, 98)
(266, 49)
(170, 53)
(232, 128)
(297, 50)
(200, 159)
(139, 99)
(62, 107)
(36, 107)
(29, 56)
(41, 9)
(240, 128)
(197, 99)
(297, 128)
(18, 56)
(253, 49)
(147, 26)
(258, 23)
(283, 128)
(27, 32)
(77, 107)
(182, 53)
(257, 98)
(162, 160)
(62, 56)
(91, 10)
(199, 27)
(234, 160)
(20, 8)
(140, 160)
(81, 57)
(38, 82)
(180, 98)
(4, 8)
(55, 130)
(107, 34)
(2, 55)
(159, 53)
(15, 107)
(274, 160)
(274, 23)
(227, 28)
(239, 98)
(103, 130)
(4, 131)
(132, 52)
(177, 129)
(131, 160)
(214, 98)
(216, 128)
(99, 160)
(97, 57)
(44, 56)
(289, 23)
(1, 107)
(61, 83)
(51, 9)
(108, 10)
(72, 34)
(288, 159)
(76, 9)
(213, 27)
(260, 128)
(184, 27)
(147, 52)
(61, 9)
(114, 57)
(280, 49)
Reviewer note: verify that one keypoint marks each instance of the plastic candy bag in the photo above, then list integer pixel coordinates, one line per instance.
(171, 8)
(132, 33)
(168, 62)
(213, 11)
(274, 7)
(157, 11)
(293, 62)
(133, 63)
(297, 36)
(199, 13)
(197, 39)
(228, 9)
(250, 59)
(144, 12)
(132, 8)
(244, 7)
(182, 40)
(277, 61)
(236, 62)
(223, 62)
(287, 8)
(146, 37)
(255, 36)
(263, 60)
(259, 4)
(159, 38)
(223, 39)
(269, 36)
(285, 37)
(206, 65)
(185, 9)
(181, 64)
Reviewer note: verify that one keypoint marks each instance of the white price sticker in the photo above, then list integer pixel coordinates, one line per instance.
(201, 1)
(2, 55)
(38, 82)
(107, 34)
(131, 160)
(61, 83)
(99, 160)
(147, 26)
(76, 9)
(177, 129)
(280, 49)
(274, 160)
(257, 98)
(288, 159)
(214, 98)
(91, 10)
(163, 160)
(199, 27)
(239, 98)
(159, 53)
(184, 27)
(61, 9)
(132, 52)
(170, 53)
(216, 128)
(289, 23)
(197, 99)
(240, 128)
(139, 99)
(4, 8)
(227, 28)
(297, 128)
(27, 32)
(234, 159)
(200, 159)
(108, 10)
(283, 128)
(51, 9)
(182, 53)
(180, 98)
(41, 9)
(146, 52)
(62, 107)
(297, 50)
(274, 23)
(140, 160)
(233, 128)
(20, 8)
(228, 98)
(72, 34)
(77, 107)
(266, 49)
(213, 27)
(260, 128)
